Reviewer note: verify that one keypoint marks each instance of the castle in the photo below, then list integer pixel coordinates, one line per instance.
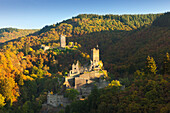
(62, 44)
(81, 78)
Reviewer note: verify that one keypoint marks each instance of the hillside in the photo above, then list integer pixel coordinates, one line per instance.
(88, 23)
(7, 34)
(125, 41)
(122, 50)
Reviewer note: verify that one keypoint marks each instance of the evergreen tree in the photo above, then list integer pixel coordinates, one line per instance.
(166, 64)
(151, 66)
(26, 48)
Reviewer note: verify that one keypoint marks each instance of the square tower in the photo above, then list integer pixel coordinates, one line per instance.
(95, 55)
(62, 41)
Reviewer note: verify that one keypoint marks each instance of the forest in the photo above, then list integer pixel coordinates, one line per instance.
(7, 34)
(134, 50)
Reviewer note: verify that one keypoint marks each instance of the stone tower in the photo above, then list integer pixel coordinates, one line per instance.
(62, 41)
(95, 55)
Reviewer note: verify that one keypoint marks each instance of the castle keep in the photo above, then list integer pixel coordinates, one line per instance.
(95, 55)
(62, 41)
(62, 44)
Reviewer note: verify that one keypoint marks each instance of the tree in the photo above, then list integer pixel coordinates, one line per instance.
(114, 83)
(2, 101)
(9, 89)
(26, 48)
(93, 98)
(166, 64)
(71, 94)
(150, 66)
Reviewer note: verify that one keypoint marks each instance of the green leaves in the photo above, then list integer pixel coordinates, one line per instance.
(71, 94)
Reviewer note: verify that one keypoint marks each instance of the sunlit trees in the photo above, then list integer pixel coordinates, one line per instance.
(114, 83)
(9, 89)
(151, 65)
(38, 71)
(2, 101)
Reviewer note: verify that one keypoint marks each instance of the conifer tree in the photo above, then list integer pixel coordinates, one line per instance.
(166, 64)
(151, 66)
(26, 48)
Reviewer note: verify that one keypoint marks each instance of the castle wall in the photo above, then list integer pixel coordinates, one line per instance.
(75, 70)
(79, 82)
(45, 47)
(56, 100)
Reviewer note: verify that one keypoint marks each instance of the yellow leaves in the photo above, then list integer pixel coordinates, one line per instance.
(33, 75)
(100, 64)
(83, 54)
(2, 101)
(88, 56)
(31, 49)
(75, 46)
(26, 78)
(151, 65)
(79, 45)
(104, 71)
(9, 89)
(114, 83)
(26, 72)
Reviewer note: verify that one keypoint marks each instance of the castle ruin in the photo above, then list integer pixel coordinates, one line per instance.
(62, 41)
(81, 78)
(45, 47)
(56, 100)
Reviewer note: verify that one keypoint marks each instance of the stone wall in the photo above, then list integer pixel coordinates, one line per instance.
(57, 100)
(79, 82)
(45, 47)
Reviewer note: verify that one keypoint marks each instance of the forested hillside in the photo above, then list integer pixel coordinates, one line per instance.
(121, 51)
(125, 51)
(7, 34)
(148, 92)
(83, 24)
(125, 41)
